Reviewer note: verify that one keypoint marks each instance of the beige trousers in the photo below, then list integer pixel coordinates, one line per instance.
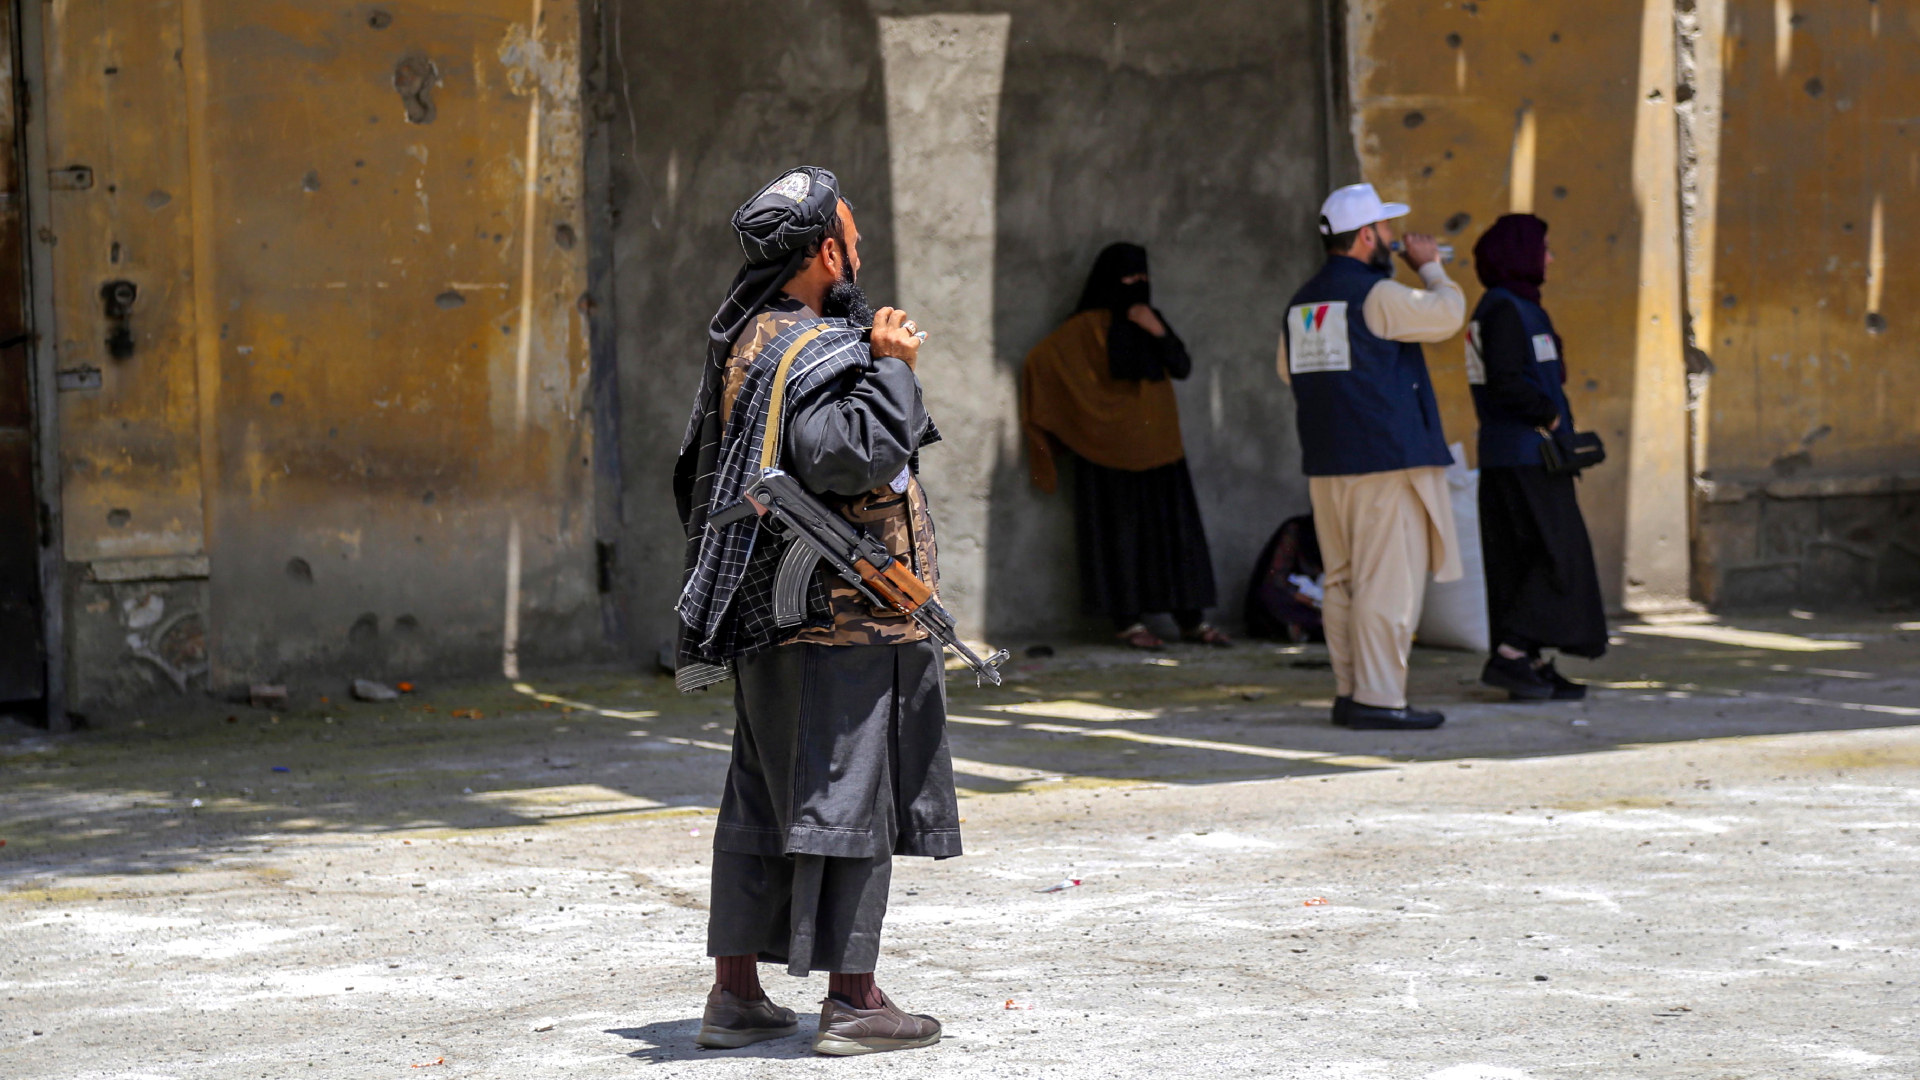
(1381, 534)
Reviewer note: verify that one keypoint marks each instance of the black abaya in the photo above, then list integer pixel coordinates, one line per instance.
(1142, 545)
(1542, 588)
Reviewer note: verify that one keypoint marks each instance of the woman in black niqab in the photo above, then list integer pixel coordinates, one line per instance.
(1119, 283)
(1141, 544)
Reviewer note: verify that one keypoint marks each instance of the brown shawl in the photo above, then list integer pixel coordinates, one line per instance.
(1066, 393)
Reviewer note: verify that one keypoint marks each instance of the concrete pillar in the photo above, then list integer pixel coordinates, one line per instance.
(943, 76)
(1658, 555)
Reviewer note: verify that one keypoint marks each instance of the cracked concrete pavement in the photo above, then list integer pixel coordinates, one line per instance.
(1707, 870)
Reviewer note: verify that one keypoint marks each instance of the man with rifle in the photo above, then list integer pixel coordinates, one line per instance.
(811, 572)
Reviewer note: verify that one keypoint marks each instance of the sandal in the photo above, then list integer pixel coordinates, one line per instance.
(1207, 634)
(1139, 637)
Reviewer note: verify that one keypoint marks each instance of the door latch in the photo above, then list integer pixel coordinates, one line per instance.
(117, 298)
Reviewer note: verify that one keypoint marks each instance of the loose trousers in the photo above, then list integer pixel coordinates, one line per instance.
(840, 762)
(1380, 534)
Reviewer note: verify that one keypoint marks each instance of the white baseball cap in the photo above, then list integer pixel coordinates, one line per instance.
(1356, 206)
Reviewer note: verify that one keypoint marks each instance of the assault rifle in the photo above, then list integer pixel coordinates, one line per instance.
(865, 563)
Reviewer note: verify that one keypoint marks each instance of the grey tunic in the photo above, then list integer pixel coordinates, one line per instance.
(840, 756)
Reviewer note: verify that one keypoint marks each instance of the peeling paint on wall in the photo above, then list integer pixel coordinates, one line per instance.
(535, 64)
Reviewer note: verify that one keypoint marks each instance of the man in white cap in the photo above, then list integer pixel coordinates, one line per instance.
(1372, 447)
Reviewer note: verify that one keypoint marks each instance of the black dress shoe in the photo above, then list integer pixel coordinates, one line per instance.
(1564, 689)
(1373, 718)
(1517, 677)
(1341, 706)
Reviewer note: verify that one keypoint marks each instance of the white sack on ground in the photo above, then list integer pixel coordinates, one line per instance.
(1455, 615)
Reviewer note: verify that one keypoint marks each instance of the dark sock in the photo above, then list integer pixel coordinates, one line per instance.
(1189, 620)
(1121, 623)
(739, 976)
(859, 991)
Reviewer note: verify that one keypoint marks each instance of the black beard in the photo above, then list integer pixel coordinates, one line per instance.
(847, 300)
(1381, 259)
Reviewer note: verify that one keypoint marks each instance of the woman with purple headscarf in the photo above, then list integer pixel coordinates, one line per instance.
(1542, 589)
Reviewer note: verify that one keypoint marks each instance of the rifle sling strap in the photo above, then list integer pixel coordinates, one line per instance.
(770, 438)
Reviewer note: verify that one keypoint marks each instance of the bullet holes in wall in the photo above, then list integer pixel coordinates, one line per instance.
(299, 570)
(379, 20)
(413, 79)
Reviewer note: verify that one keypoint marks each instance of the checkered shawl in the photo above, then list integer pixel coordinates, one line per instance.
(730, 563)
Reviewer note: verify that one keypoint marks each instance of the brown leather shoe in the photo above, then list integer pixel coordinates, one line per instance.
(730, 1023)
(845, 1030)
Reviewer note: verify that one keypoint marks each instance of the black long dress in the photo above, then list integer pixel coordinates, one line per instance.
(1542, 588)
(1142, 546)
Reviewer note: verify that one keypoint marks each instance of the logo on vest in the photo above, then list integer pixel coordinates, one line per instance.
(1544, 348)
(1476, 364)
(1317, 338)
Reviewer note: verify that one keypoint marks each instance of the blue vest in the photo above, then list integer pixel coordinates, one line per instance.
(1364, 403)
(1506, 439)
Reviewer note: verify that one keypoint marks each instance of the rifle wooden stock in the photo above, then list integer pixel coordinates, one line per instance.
(897, 585)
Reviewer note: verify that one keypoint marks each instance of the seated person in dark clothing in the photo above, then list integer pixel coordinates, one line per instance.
(1542, 589)
(1100, 386)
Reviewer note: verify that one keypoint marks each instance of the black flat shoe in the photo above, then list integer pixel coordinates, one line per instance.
(1373, 718)
(1341, 706)
(1517, 677)
(1564, 689)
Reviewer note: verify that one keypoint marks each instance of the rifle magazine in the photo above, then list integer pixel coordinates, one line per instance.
(790, 584)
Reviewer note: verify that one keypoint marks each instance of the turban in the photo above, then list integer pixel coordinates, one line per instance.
(775, 228)
(788, 215)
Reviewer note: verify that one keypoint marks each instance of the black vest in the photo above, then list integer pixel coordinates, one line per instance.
(1506, 439)
(1364, 403)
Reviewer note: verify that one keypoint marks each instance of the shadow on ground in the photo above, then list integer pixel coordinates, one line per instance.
(150, 792)
(672, 1040)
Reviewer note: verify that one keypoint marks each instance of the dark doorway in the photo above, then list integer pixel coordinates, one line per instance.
(22, 649)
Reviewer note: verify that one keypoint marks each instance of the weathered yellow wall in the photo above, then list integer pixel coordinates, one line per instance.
(1812, 479)
(1441, 94)
(1821, 149)
(1806, 446)
(361, 330)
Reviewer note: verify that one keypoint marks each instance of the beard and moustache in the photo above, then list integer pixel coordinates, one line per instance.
(845, 299)
(1381, 259)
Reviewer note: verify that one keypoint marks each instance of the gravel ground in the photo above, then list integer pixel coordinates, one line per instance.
(1705, 871)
